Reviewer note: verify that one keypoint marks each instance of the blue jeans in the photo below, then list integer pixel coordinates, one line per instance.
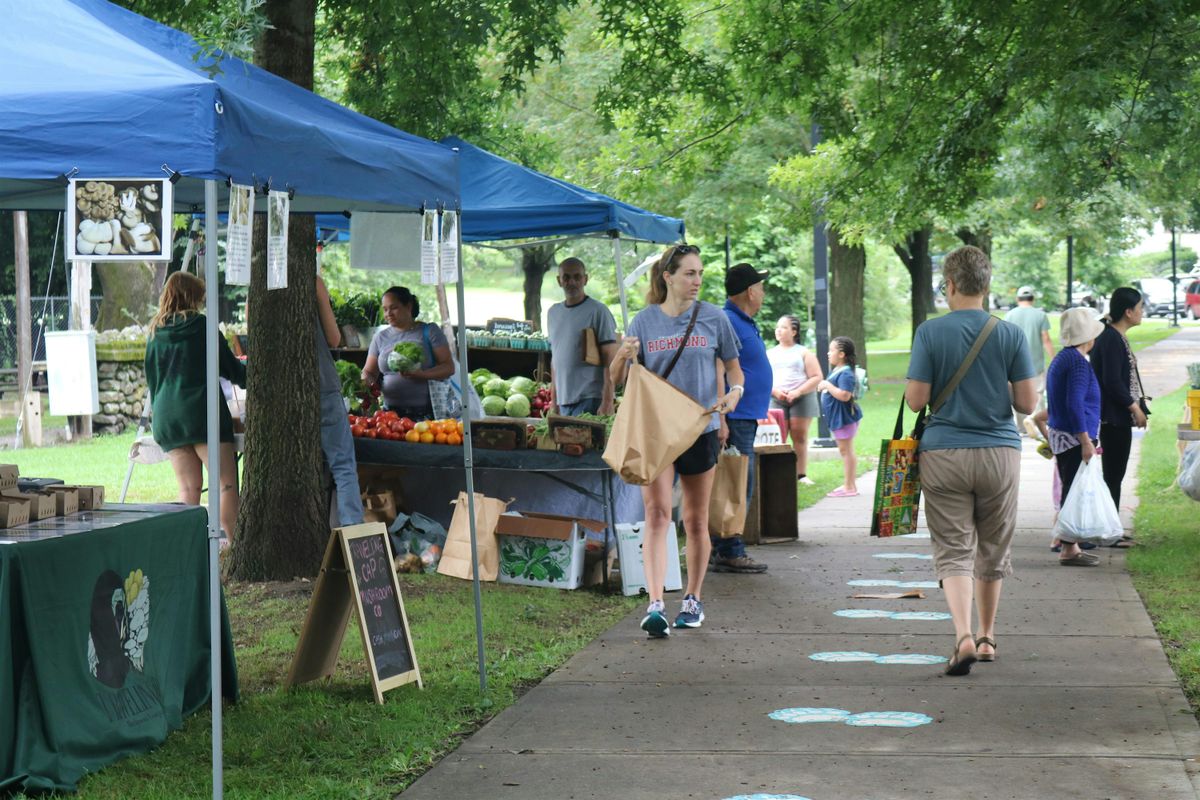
(741, 436)
(587, 405)
(338, 446)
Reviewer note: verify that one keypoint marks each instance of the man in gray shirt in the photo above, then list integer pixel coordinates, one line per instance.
(1034, 323)
(576, 386)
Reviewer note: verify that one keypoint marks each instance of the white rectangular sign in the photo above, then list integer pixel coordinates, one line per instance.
(429, 248)
(71, 372)
(767, 433)
(239, 235)
(279, 207)
(449, 247)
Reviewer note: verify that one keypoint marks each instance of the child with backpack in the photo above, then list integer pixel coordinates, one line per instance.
(838, 394)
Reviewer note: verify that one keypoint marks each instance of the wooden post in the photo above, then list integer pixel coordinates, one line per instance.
(29, 403)
(81, 320)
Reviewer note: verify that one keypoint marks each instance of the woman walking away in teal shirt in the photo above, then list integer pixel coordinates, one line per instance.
(970, 453)
(175, 376)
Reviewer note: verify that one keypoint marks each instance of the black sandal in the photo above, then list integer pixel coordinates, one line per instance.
(990, 642)
(960, 666)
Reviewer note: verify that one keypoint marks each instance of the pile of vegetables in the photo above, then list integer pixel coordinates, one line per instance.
(518, 397)
(405, 357)
(360, 397)
(392, 426)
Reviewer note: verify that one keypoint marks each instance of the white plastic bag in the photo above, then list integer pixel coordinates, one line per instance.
(1088, 513)
(1189, 471)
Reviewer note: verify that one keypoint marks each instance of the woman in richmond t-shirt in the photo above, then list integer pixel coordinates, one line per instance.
(654, 336)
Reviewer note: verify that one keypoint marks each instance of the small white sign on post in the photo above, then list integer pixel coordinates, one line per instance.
(449, 248)
(239, 235)
(71, 373)
(279, 207)
(767, 433)
(429, 248)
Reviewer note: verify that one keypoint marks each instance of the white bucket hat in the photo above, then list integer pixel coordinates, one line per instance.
(1078, 325)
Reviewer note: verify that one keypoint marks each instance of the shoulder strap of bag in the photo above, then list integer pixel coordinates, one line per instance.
(683, 342)
(980, 340)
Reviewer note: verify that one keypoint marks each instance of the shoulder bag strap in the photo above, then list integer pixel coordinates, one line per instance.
(980, 340)
(683, 342)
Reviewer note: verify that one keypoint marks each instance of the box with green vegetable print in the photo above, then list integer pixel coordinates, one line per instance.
(543, 549)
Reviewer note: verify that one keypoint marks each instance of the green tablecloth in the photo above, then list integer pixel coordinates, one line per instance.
(105, 633)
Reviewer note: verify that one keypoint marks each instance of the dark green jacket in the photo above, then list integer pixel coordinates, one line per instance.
(175, 378)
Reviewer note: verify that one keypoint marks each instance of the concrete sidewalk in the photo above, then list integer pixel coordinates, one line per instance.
(1081, 702)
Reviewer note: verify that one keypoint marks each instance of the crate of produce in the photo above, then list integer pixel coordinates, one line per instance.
(588, 434)
(499, 433)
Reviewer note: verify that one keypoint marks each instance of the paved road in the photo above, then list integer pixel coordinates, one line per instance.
(1080, 704)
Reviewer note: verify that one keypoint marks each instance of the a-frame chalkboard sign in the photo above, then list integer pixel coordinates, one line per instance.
(357, 576)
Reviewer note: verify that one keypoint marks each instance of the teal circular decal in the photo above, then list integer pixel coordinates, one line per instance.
(801, 716)
(888, 719)
(918, 535)
(844, 657)
(873, 582)
(921, 556)
(912, 659)
(921, 615)
(863, 613)
(918, 585)
(766, 797)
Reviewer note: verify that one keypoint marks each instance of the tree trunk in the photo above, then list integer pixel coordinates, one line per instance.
(535, 263)
(981, 238)
(847, 273)
(284, 519)
(130, 297)
(915, 255)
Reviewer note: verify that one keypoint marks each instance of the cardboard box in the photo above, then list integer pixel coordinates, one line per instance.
(629, 552)
(543, 549)
(8, 476)
(90, 497)
(13, 512)
(41, 504)
(593, 564)
(66, 499)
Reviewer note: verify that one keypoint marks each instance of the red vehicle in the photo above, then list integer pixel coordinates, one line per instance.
(1191, 299)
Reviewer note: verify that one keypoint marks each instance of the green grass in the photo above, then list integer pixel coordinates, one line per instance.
(1166, 565)
(102, 460)
(8, 417)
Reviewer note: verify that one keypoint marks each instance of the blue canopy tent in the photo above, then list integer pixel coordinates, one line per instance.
(88, 89)
(504, 200)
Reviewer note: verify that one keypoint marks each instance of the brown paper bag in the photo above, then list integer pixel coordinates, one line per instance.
(456, 555)
(727, 503)
(655, 424)
(589, 344)
(379, 507)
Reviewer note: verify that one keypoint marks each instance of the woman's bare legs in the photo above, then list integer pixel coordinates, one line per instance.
(188, 474)
(231, 500)
(656, 497)
(696, 492)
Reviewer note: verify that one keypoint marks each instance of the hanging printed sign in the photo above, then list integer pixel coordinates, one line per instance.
(239, 235)
(449, 250)
(279, 208)
(429, 248)
(119, 219)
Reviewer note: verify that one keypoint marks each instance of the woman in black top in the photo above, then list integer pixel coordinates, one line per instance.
(1121, 394)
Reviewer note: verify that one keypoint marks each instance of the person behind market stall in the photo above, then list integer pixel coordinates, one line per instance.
(654, 337)
(576, 386)
(407, 393)
(336, 442)
(177, 382)
(745, 292)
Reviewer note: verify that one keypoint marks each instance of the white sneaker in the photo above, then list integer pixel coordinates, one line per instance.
(807, 481)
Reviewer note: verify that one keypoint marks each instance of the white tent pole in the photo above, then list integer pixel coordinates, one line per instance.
(620, 282)
(212, 393)
(464, 381)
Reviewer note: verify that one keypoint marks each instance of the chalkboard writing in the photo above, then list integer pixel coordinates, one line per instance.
(499, 325)
(382, 619)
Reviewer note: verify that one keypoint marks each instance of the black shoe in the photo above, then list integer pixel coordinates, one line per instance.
(742, 563)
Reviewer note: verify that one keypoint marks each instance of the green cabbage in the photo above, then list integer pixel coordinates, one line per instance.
(497, 387)
(523, 386)
(493, 406)
(517, 406)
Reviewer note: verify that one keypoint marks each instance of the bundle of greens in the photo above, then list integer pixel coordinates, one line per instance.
(405, 357)
(354, 389)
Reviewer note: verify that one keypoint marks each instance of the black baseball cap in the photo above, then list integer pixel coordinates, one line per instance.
(741, 277)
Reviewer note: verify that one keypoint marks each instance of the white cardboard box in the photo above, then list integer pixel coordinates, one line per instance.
(543, 549)
(629, 551)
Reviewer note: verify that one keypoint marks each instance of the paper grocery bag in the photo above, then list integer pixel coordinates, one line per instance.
(727, 503)
(589, 345)
(456, 555)
(655, 424)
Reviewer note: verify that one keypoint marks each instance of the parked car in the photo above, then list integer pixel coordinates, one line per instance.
(1158, 296)
(1084, 295)
(1191, 298)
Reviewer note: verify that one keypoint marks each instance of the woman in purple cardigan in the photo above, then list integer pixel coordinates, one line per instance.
(1073, 400)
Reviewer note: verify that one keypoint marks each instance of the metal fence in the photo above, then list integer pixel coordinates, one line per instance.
(48, 314)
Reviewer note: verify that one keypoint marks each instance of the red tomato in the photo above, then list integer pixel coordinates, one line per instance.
(407, 424)
(371, 433)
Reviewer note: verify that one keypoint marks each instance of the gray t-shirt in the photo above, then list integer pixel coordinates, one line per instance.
(696, 371)
(573, 379)
(1032, 321)
(979, 412)
(330, 384)
(398, 391)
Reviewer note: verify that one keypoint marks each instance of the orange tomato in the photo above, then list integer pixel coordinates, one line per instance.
(412, 436)
(453, 438)
(441, 438)
(435, 427)
(427, 438)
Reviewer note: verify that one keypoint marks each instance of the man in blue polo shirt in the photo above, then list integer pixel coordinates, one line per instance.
(745, 291)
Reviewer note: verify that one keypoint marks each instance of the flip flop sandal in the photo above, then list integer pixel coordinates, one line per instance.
(960, 666)
(990, 642)
(1124, 543)
(1080, 560)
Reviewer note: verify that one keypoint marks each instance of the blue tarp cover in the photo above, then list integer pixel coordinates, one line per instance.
(89, 85)
(503, 200)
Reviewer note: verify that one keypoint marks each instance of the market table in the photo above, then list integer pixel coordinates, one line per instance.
(104, 626)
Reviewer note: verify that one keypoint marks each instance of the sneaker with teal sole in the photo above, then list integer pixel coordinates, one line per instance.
(691, 614)
(655, 622)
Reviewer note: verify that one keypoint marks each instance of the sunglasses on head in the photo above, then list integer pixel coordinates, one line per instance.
(682, 250)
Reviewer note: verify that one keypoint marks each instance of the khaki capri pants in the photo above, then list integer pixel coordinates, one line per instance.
(971, 509)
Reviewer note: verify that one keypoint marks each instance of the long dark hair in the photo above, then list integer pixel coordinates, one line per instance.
(406, 298)
(846, 345)
(1123, 299)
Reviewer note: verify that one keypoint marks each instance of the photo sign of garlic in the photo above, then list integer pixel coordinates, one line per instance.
(119, 219)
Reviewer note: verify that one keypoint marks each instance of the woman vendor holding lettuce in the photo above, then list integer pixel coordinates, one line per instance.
(407, 354)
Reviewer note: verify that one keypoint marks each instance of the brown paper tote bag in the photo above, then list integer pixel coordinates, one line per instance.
(655, 424)
(456, 555)
(727, 503)
(589, 347)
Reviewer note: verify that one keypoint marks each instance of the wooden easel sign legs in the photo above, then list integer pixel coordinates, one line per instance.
(357, 576)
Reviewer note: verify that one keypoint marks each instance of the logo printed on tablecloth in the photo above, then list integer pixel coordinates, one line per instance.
(120, 626)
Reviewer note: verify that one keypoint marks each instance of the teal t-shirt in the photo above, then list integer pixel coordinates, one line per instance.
(1032, 321)
(979, 412)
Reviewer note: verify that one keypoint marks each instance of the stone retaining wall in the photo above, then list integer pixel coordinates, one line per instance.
(122, 387)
